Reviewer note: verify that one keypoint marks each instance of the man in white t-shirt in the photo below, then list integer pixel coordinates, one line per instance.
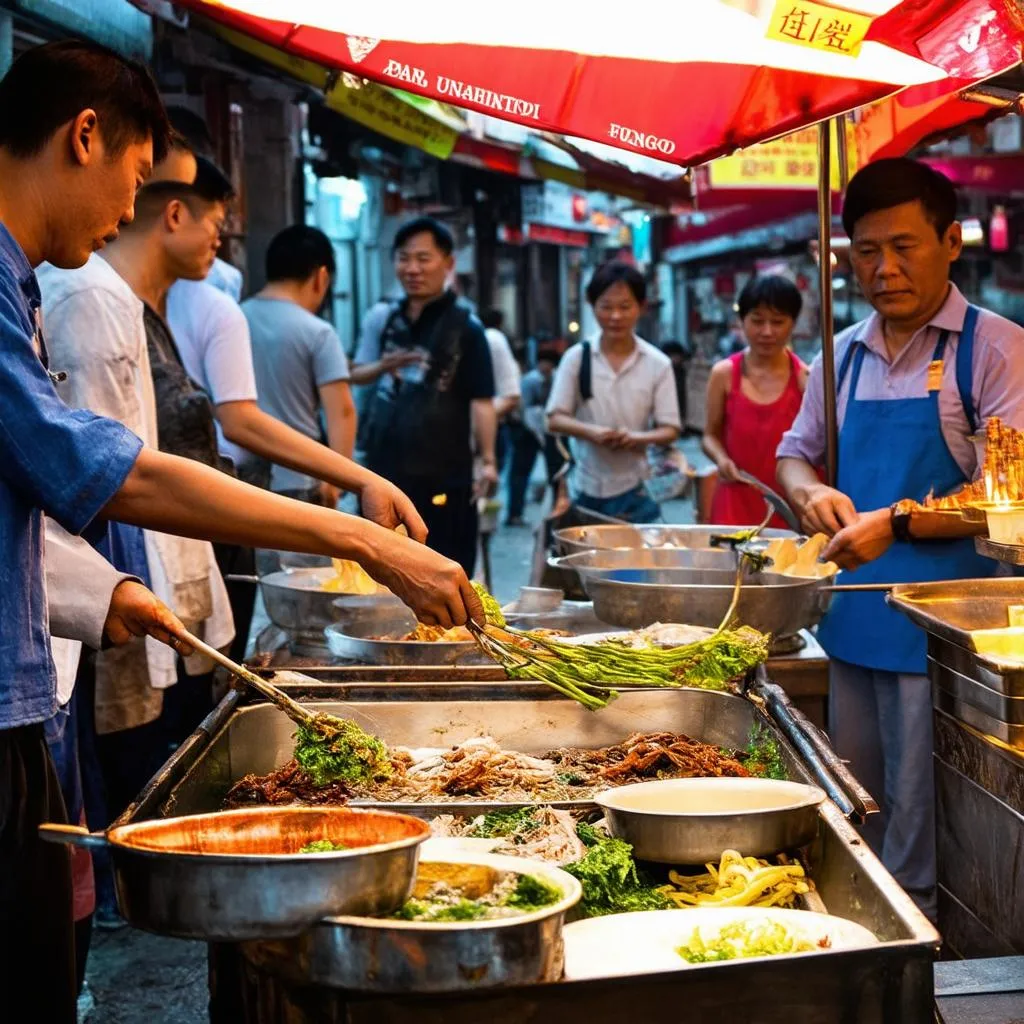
(507, 375)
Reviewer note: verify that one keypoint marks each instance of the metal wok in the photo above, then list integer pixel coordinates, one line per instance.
(634, 595)
(576, 539)
(235, 875)
(374, 639)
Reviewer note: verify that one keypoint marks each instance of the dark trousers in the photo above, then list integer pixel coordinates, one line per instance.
(232, 559)
(37, 938)
(454, 525)
(525, 449)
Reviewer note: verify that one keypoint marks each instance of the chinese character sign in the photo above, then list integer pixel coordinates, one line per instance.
(819, 26)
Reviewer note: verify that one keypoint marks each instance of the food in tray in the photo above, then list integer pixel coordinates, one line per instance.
(737, 940)
(1007, 643)
(789, 558)
(479, 768)
(445, 893)
(538, 833)
(738, 881)
(331, 749)
(351, 578)
(323, 846)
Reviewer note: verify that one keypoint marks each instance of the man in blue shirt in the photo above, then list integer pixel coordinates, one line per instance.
(79, 130)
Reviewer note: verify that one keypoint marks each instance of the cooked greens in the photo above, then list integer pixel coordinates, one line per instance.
(506, 824)
(331, 749)
(533, 894)
(322, 846)
(610, 879)
(514, 895)
(763, 754)
(740, 940)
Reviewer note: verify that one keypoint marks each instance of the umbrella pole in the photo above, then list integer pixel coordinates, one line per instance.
(828, 360)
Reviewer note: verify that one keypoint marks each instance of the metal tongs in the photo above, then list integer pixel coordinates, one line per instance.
(748, 559)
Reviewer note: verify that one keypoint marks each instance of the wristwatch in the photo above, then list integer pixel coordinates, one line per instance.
(900, 513)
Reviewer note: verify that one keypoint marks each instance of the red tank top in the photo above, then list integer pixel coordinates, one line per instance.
(751, 434)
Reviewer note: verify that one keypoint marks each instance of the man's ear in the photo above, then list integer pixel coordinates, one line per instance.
(174, 213)
(85, 137)
(955, 240)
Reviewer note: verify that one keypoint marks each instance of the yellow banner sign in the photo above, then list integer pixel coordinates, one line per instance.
(789, 162)
(819, 26)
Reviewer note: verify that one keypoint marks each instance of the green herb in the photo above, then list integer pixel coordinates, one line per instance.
(589, 835)
(503, 824)
(424, 910)
(764, 755)
(611, 882)
(740, 940)
(331, 749)
(532, 894)
(590, 673)
(322, 846)
(492, 610)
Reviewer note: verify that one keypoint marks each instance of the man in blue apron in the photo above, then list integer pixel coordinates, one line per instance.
(915, 380)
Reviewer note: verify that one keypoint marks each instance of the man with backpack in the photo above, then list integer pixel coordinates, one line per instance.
(432, 395)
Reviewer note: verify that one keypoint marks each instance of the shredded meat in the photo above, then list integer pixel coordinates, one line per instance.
(289, 784)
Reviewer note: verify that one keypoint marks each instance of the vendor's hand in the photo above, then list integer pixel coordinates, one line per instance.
(634, 441)
(136, 611)
(727, 471)
(392, 361)
(609, 437)
(329, 495)
(862, 542)
(434, 587)
(826, 510)
(486, 483)
(383, 503)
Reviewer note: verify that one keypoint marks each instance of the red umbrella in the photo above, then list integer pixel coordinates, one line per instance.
(684, 82)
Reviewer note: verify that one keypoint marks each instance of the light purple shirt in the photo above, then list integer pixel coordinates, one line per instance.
(998, 388)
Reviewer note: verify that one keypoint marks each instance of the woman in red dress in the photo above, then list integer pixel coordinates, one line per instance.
(753, 398)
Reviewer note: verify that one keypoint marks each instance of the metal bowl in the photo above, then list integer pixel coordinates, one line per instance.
(606, 537)
(691, 821)
(387, 955)
(373, 638)
(235, 875)
(637, 597)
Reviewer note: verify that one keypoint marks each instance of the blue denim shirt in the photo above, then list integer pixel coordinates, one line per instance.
(66, 463)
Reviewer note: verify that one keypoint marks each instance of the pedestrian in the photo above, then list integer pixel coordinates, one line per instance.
(80, 127)
(433, 395)
(530, 436)
(680, 356)
(753, 398)
(916, 379)
(614, 398)
(733, 341)
(300, 365)
(507, 375)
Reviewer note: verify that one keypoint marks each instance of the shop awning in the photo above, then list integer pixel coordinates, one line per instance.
(1001, 175)
(684, 82)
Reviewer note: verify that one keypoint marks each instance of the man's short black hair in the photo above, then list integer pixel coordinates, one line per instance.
(443, 238)
(212, 184)
(612, 273)
(492, 318)
(888, 183)
(49, 85)
(548, 355)
(192, 128)
(297, 252)
(774, 292)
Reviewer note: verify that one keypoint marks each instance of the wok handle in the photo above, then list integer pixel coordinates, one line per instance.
(73, 835)
(853, 588)
(240, 577)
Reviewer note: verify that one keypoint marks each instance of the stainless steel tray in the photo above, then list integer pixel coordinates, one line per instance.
(951, 609)
(1012, 735)
(355, 641)
(1003, 677)
(257, 738)
(1011, 554)
(993, 703)
(608, 537)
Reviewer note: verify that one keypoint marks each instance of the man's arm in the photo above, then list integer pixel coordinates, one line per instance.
(340, 412)
(485, 430)
(367, 373)
(180, 496)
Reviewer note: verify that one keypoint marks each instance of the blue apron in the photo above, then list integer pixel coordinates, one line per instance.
(890, 450)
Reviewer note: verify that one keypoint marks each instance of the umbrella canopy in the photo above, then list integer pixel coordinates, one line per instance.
(684, 82)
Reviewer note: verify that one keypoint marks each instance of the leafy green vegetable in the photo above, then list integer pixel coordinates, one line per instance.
(590, 673)
(533, 893)
(425, 910)
(764, 756)
(330, 750)
(740, 940)
(495, 616)
(322, 846)
(589, 835)
(506, 823)
(611, 882)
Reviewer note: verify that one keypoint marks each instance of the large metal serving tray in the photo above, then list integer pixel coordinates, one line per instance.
(1006, 732)
(257, 738)
(887, 984)
(1006, 678)
(953, 609)
(968, 690)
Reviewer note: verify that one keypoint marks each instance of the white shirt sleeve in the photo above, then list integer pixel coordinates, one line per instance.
(565, 391)
(507, 376)
(227, 352)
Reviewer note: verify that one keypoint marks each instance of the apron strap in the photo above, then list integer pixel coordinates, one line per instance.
(844, 366)
(965, 367)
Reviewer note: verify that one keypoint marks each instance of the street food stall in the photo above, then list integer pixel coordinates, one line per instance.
(619, 792)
